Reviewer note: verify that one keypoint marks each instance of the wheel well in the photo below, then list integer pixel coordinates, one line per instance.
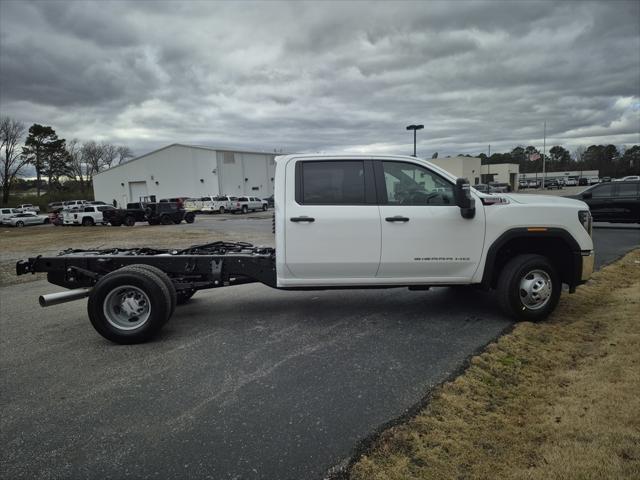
(556, 249)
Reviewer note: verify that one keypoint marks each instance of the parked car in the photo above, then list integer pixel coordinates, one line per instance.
(71, 204)
(616, 202)
(270, 201)
(245, 204)
(96, 202)
(606, 179)
(593, 180)
(571, 182)
(583, 181)
(25, 218)
(166, 213)
(55, 206)
(500, 187)
(551, 183)
(87, 216)
(28, 207)
(135, 212)
(222, 204)
(628, 177)
(534, 183)
(179, 200)
(8, 213)
(522, 184)
(484, 188)
(194, 204)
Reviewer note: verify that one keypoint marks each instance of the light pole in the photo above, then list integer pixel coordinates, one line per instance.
(414, 128)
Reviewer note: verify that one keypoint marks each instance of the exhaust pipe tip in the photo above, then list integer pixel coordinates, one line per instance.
(62, 297)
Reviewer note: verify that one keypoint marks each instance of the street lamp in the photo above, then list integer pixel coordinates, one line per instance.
(414, 128)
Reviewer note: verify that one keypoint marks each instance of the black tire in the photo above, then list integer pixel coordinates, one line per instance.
(244, 209)
(163, 277)
(115, 224)
(19, 224)
(183, 296)
(129, 221)
(154, 295)
(88, 222)
(166, 220)
(189, 217)
(46, 221)
(176, 220)
(264, 208)
(513, 298)
(221, 210)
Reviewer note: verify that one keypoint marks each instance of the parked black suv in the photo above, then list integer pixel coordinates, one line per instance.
(166, 213)
(135, 212)
(616, 202)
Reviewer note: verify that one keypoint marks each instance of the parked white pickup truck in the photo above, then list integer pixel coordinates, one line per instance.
(86, 215)
(348, 221)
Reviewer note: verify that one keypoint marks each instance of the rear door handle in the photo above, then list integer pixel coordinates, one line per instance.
(302, 219)
(397, 218)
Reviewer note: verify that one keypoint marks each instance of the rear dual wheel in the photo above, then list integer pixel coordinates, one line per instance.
(131, 304)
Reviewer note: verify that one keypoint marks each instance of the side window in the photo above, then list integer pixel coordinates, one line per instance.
(88, 209)
(331, 183)
(628, 189)
(409, 184)
(605, 190)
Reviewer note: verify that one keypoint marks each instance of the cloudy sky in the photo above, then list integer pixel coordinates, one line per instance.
(325, 76)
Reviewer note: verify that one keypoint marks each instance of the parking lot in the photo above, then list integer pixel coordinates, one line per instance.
(245, 382)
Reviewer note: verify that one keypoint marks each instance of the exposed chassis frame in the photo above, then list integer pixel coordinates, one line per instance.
(199, 267)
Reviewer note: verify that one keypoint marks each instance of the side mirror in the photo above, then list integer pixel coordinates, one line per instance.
(463, 199)
(587, 195)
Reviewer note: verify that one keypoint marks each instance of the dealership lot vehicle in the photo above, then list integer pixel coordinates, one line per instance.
(6, 213)
(628, 177)
(87, 215)
(465, 238)
(135, 212)
(24, 219)
(253, 204)
(194, 204)
(615, 202)
(552, 183)
(28, 207)
(571, 182)
(71, 204)
(166, 213)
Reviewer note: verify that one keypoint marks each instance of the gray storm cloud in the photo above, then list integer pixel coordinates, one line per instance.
(325, 76)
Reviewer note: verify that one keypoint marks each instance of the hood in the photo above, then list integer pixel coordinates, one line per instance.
(528, 199)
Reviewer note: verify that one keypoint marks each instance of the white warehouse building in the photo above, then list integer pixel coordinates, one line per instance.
(187, 171)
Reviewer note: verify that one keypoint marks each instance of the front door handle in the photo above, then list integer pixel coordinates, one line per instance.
(397, 218)
(303, 219)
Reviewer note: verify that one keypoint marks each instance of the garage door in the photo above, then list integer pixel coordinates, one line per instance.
(137, 190)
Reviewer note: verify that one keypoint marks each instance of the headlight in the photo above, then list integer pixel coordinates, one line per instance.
(586, 220)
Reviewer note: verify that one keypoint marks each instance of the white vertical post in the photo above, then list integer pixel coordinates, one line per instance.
(544, 153)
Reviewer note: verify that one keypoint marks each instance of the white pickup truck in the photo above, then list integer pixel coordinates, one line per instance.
(86, 215)
(346, 221)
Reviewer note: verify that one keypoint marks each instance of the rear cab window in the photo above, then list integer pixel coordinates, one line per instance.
(334, 182)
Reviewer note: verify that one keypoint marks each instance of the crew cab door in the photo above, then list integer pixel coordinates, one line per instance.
(424, 237)
(332, 221)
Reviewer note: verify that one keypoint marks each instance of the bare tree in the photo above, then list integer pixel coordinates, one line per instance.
(124, 154)
(11, 160)
(109, 155)
(77, 162)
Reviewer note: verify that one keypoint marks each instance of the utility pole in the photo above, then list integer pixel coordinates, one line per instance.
(488, 165)
(544, 152)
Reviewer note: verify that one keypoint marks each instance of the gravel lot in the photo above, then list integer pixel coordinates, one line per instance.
(245, 382)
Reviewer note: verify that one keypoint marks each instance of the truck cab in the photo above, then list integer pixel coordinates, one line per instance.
(390, 220)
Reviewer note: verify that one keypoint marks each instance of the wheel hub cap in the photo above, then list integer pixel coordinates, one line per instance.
(535, 289)
(127, 307)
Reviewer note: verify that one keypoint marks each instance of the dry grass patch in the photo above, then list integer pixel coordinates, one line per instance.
(558, 399)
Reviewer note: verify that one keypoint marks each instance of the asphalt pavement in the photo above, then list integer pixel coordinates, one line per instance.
(244, 383)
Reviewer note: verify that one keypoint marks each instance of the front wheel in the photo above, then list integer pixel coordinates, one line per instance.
(19, 224)
(166, 220)
(529, 287)
(129, 221)
(244, 209)
(87, 222)
(221, 210)
(264, 208)
(129, 306)
(189, 217)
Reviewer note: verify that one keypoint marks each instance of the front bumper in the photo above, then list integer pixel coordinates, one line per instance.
(588, 258)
